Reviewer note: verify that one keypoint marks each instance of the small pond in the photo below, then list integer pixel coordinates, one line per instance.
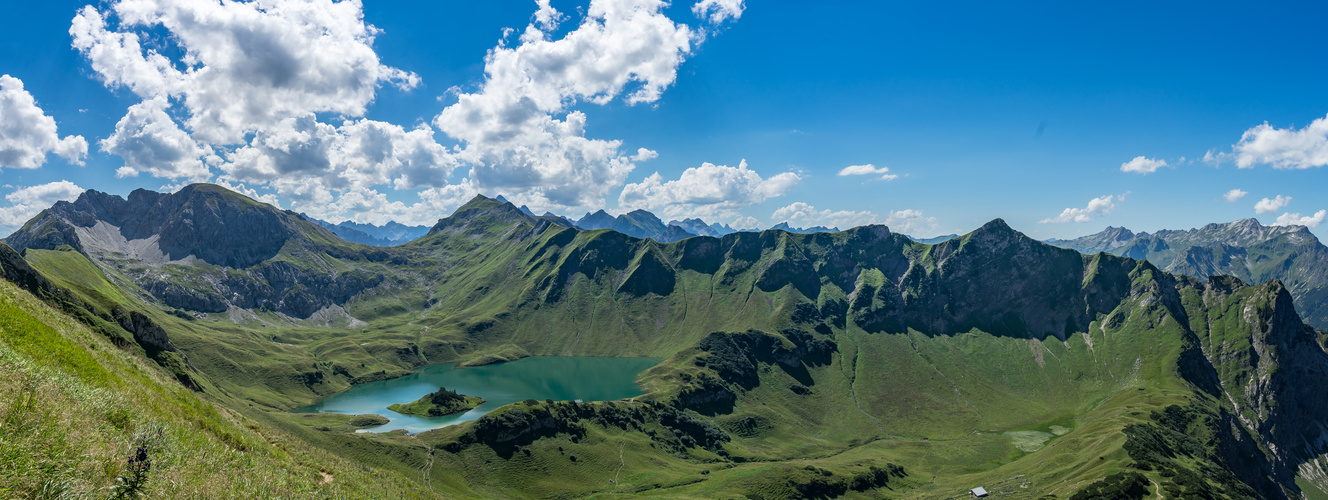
(1031, 441)
(546, 377)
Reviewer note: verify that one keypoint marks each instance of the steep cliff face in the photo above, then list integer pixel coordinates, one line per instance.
(993, 279)
(1271, 370)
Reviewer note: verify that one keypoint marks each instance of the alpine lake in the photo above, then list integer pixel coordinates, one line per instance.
(545, 377)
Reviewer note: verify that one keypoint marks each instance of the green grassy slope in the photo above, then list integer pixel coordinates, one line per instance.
(82, 417)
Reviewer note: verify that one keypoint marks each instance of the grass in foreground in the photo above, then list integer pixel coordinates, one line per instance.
(82, 418)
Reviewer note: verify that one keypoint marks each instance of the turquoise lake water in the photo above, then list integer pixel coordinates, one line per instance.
(546, 377)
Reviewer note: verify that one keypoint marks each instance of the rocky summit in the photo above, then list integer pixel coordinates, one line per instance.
(201, 221)
(205, 248)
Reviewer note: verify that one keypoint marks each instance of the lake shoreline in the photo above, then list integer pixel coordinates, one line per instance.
(560, 378)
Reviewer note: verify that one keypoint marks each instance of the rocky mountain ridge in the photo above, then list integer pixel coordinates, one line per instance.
(784, 226)
(701, 228)
(207, 249)
(637, 223)
(1245, 249)
(202, 221)
(387, 235)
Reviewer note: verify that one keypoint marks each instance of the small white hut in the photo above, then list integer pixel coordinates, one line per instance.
(979, 492)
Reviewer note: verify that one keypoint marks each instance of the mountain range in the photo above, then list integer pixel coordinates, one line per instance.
(701, 228)
(387, 235)
(644, 224)
(856, 363)
(935, 239)
(637, 223)
(1245, 249)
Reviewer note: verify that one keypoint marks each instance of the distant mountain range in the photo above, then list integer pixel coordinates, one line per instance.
(935, 239)
(1245, 249)
(637, 223)
(784, 226)
(700, 228)
(387, 235)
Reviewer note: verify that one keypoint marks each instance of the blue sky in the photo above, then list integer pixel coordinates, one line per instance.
(738, 113)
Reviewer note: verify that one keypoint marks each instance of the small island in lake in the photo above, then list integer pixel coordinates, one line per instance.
(437, 404)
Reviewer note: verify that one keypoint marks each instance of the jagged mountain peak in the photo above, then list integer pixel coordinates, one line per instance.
(701, 228)
(1118, 233)
(784, 226)
(390, 234)
(1243, 248)
(482, 214)
(206, 221)
(997, 224)
(995, 230)
(638, 223)
(644, 215)
(597, 220)
(1250, 222)
(997, 238)
(491, 209)
(934, 239)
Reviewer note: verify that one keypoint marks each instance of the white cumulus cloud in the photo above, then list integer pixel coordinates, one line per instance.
(520, 132)
(27, 202)
(1142, 165)
(803, 214)
(149, 141)
(312, 163)
(1101, 205)
(907, 221)
(1284, 148)
(277, 91)
(709, 191)
(1290, 219)
(27, 133)
(245, 66)
(249, 81)
(911, 222)
(1270, 205)
(745, 222)
(718, 11)
(1234, 195)
(370, 206)
(868, 169)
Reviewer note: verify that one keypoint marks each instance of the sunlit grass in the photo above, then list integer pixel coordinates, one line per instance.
(74, 411)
